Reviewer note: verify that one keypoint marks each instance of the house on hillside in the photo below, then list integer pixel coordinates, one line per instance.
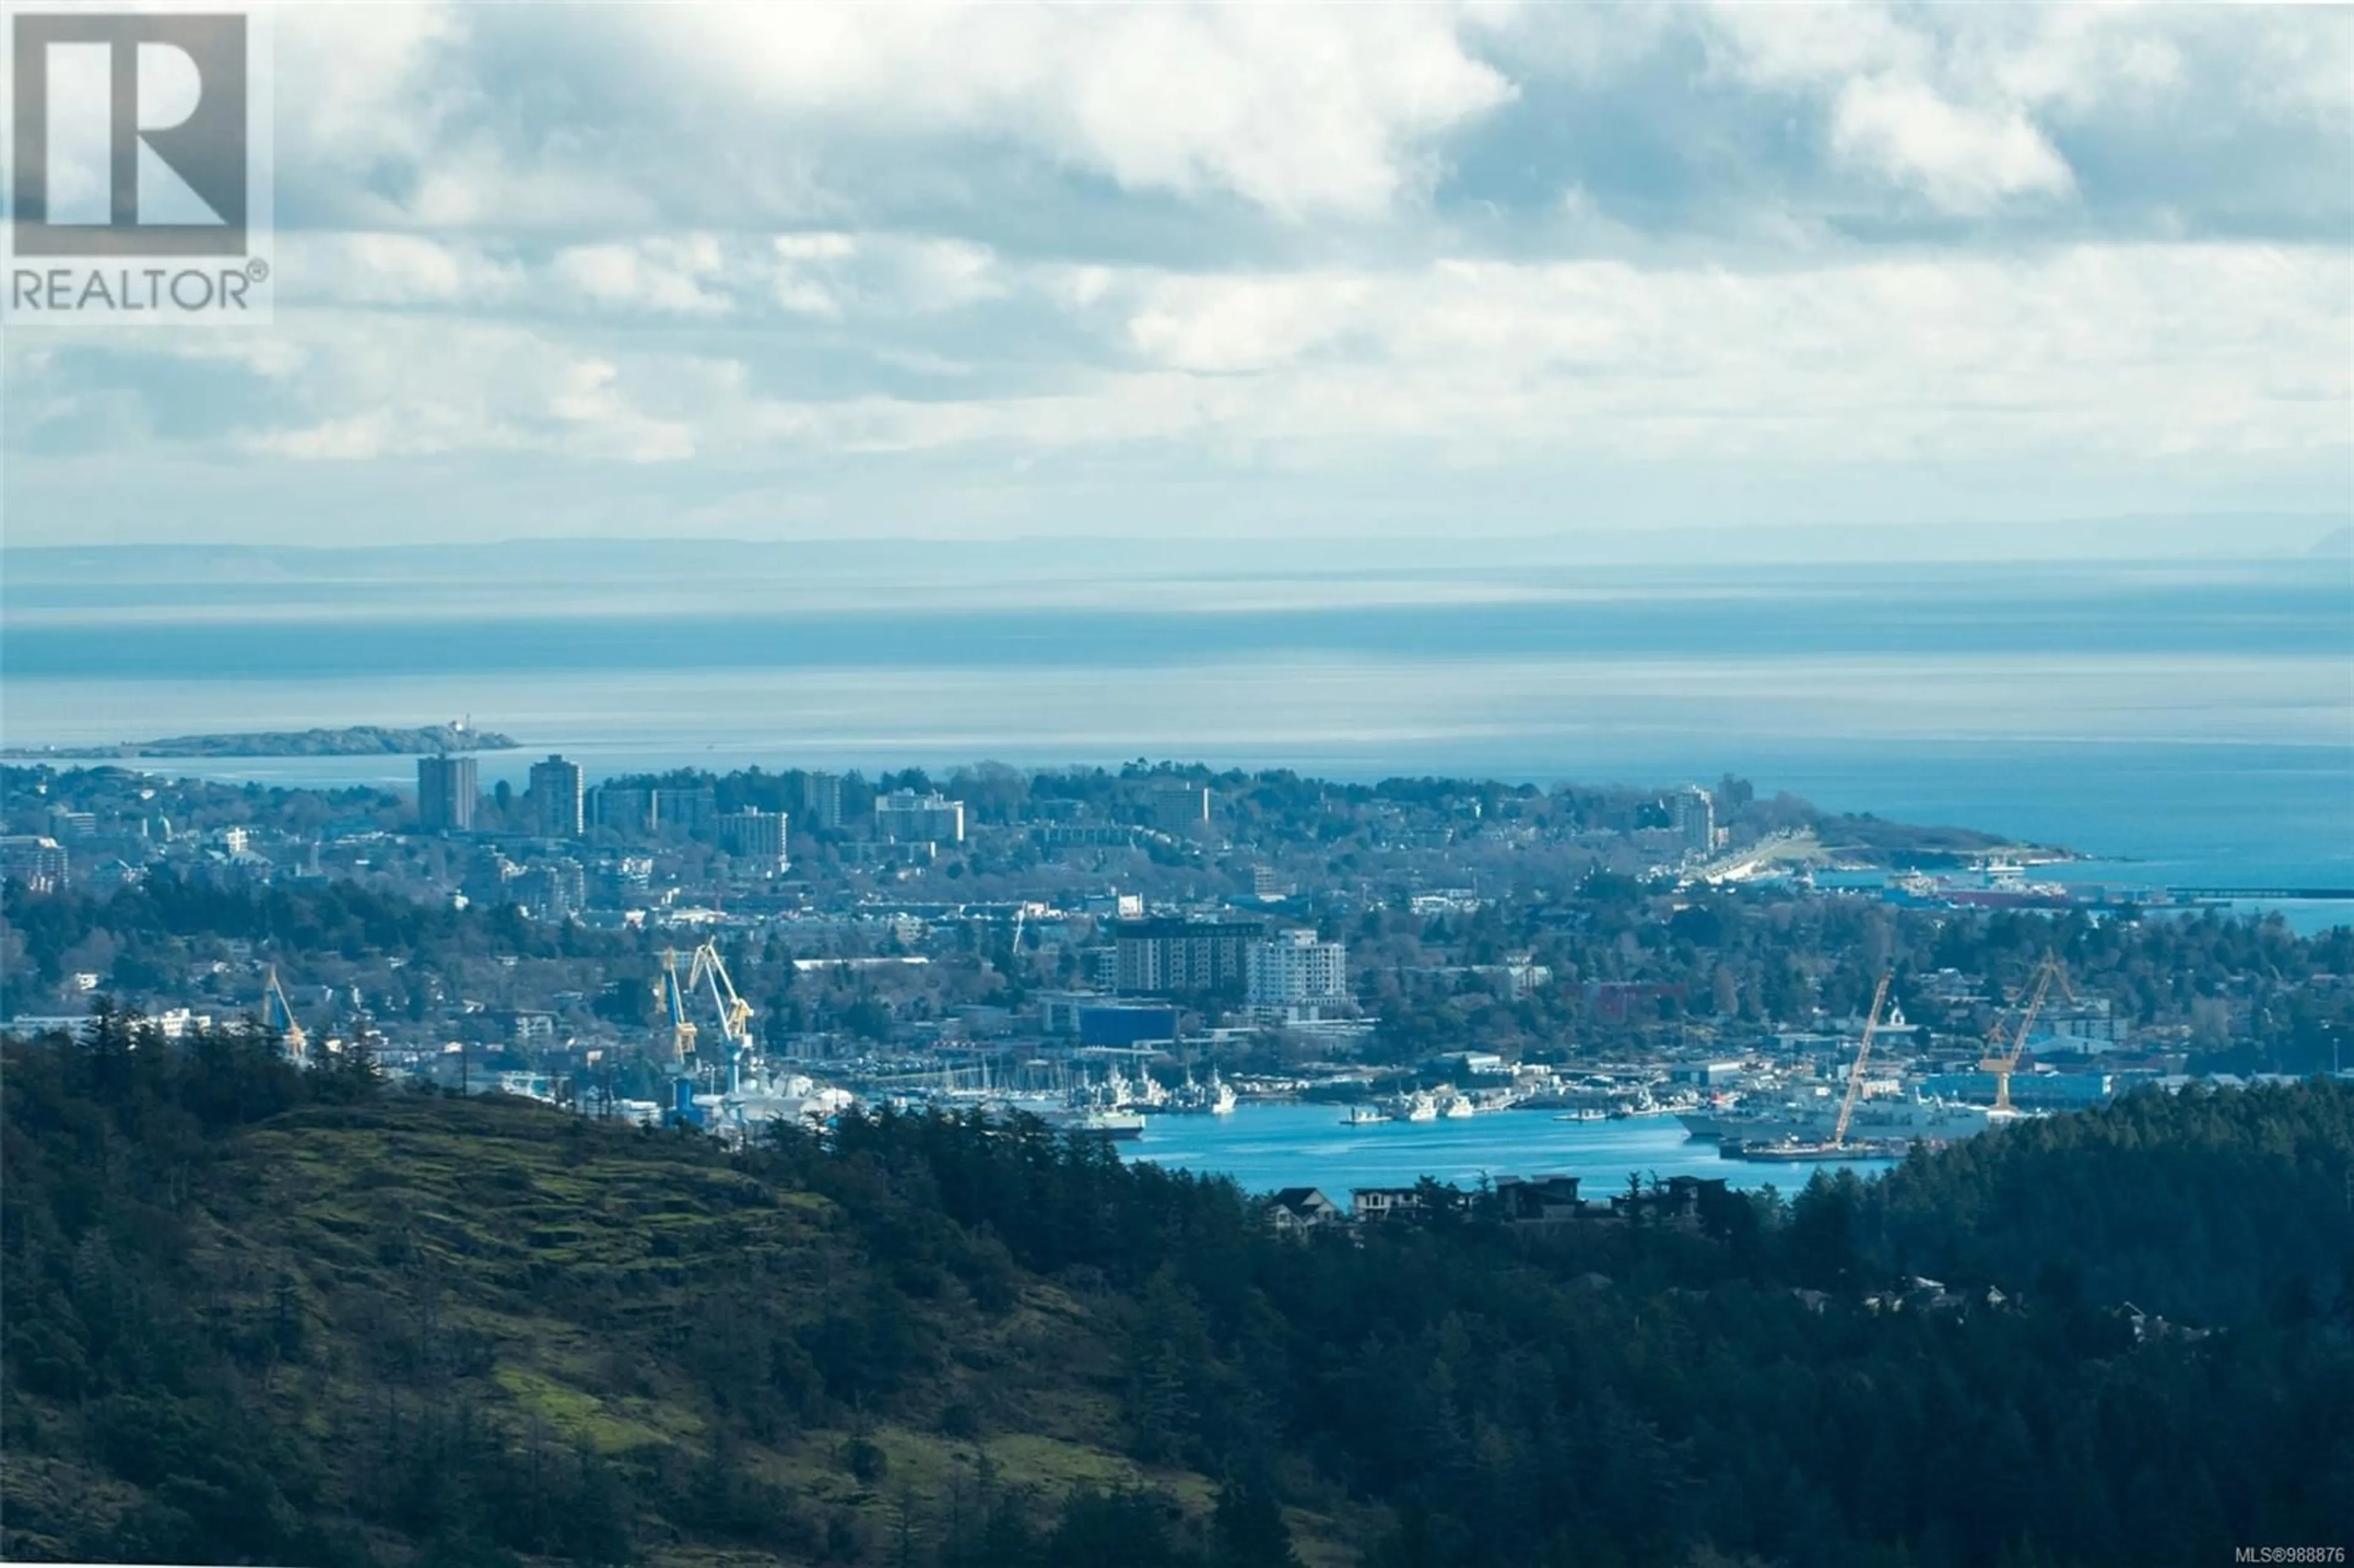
(1677, 1199)
(1297, 1209)
(1538, 1199)
(1384, 1202)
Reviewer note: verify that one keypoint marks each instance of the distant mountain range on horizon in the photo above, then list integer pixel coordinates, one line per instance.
(2208, 536)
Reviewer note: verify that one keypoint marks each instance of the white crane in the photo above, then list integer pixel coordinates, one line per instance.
(674, 996)
(1855, 1073)
(709, 971)
(279, 1014)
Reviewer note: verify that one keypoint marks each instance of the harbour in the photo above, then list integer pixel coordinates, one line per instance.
(1266, 1147)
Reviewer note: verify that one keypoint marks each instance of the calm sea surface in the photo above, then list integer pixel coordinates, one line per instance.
(1264, 1146)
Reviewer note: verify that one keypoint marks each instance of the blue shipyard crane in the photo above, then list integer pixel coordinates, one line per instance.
(704, 971)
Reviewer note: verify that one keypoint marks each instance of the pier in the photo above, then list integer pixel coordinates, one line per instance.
(2300, 895)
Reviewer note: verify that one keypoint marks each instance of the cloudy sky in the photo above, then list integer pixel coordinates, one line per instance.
(796, 271)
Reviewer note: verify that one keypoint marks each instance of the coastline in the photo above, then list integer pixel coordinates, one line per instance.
(262, 745)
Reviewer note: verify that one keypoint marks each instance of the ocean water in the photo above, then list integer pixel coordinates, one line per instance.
(1267, 1147)
(2186, 724)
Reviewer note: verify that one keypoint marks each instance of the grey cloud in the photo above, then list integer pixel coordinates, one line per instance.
(2174, 123)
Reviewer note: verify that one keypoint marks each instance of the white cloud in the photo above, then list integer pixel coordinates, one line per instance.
(502, 120)
(361, 438)
(1788, 47)
(944, 274)
(413, 109)
(1304, 111)
(671, 276)
(365, 86)
(2117, 350)
(1227, 324)
(1965, 161)
(588, 395)
(395, 268)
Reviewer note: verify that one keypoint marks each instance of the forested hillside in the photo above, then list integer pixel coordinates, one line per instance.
(2217, 1206)
(257, 1315)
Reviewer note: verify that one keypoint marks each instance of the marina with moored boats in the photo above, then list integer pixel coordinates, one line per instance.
(1863, 1092)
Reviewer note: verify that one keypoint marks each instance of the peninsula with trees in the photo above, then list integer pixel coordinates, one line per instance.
(351, 740)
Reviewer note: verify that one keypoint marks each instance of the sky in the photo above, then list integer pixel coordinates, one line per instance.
(1407, 271)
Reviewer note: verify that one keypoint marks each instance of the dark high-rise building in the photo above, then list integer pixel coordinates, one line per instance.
(446, 788)
(558, 790)
(822, 802)
(1177, 807)
(1155, 956)
(638, 812)
(622, 811)
(686, 810)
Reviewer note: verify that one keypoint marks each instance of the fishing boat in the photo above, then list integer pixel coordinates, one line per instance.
(1104, 1111)
(1214, 1098)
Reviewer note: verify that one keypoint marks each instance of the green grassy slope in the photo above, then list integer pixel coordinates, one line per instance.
(588, 1294)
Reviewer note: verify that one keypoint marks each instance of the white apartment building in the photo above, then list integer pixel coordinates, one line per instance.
(1693, 814)
(904, 817)
(1294, 975)
(757, 836)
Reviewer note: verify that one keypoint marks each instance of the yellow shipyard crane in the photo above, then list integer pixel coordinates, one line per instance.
(2001, 1060)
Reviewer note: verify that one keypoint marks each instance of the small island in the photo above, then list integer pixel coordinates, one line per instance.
(351, 740)
(1863, 839)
